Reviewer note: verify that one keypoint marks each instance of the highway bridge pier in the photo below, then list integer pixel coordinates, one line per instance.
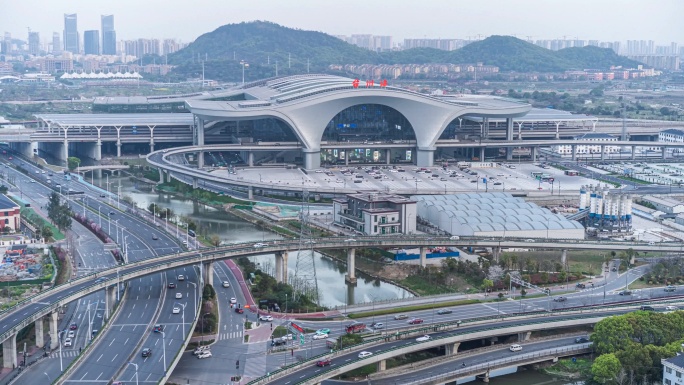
(351, 266)
(281, 266)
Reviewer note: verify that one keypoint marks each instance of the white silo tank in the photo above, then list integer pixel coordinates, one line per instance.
(592, 201)
(599, 203)
(623, 207)
(628, 211)
(583, 198)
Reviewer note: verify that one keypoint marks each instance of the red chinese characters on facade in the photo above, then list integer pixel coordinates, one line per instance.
(369, 83)
(355, 83)
(383, 83)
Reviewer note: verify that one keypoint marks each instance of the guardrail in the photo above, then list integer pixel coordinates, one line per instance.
(581, 314)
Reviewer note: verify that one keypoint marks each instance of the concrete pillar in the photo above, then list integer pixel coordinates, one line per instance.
(250, 192)
(250, 158)
(509, 128)
(388, 156)
(573, 151)
(496, 253)
(485, 377)
(195, 183)
(200, 142)
(603, 152)
(40, 333)
(200, 159)
(425, 157)
(451, 349)
(346, 157)
(98, 150)
(564, 256)
(663, 151)
(9, 352)
(54, 329)
(351, 266)
(524, 336)
(557, 128)
(110, 300)
(533, 153)
(509, 153)
(482, 154)
(633, 152)
(312, 159)
(423, 256)
(161, 175)
(118, 148)
(168, 176)
(66, 150)
(208, 272)
(281, 266)
(151, 145)
(381, 366)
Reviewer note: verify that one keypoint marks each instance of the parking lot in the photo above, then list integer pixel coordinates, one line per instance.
(412, 179)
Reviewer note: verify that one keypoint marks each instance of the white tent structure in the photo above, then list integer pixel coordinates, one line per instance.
(495, 215)
(101, 76)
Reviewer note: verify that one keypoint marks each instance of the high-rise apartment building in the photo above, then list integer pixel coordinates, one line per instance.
(34, 43)
(91, 42)
(71, 43)
(108, 35)
(56, 43)
(6, 43)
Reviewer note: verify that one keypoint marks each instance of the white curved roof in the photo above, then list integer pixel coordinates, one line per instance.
(100, 75)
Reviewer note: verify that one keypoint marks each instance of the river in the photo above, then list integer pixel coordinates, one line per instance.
(231, 229)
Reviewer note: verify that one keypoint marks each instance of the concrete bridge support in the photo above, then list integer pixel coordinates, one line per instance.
(151, 145)
(381, 366)
(485, 377)
(208, 273)
(496, 253)
(423, 256)
(524, 336)
(482, 154)
(573, 150)
(110, 300)
(425, 157)
(564, 256)
(195, 183)
(26, 149)
(91, 150)
(250, 158)
(388, 156)
(509, 153)
(451, 349)
(40, 333)
(9, 352)
(633, 152)
(250, 192)
(533, 153)
(312, 159)
(509, 128)
(603, 152)
(281, 266)
(351, 266)
(663, 152)
(54, 329)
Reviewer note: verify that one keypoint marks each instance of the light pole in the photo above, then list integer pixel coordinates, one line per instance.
(116, 227)
(164, 348)
(243, 64)
(84, 205)
(136, 371)
(125, 249)
(98, 214)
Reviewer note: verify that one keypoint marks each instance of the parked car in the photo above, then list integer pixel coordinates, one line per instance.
(581, 340)
(146, 352)
(365, 354)
(515, 348)
(324, 362)
(423, 338)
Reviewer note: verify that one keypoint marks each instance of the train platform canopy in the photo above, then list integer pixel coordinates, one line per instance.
(541, 115)
(118, 120)
(494, 214)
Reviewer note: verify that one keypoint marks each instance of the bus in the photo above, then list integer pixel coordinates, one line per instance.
(536, 174)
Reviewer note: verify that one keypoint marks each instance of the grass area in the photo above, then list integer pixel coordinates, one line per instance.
(579, 261)
(616, 185)
(410, 358)
(248, 325)
(361, 372)
(279, 331)
(581, 367)
(30, 215)
(423, 287)
(633, 180)
(413, 308)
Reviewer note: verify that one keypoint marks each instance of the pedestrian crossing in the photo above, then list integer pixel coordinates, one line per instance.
(230, 335)
(65, 353)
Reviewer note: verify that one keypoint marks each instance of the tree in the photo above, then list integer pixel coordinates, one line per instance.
(47, 232)
(487, 284)
(612, 334)
(605, 368)
(73, 162)
(154, 208)
(215, 240)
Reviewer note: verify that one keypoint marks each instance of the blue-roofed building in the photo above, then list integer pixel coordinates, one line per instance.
(673, 370)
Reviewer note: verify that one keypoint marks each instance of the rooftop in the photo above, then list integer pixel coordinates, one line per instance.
(662, 201)
(119, 120)
(380, 197)
(6, 203)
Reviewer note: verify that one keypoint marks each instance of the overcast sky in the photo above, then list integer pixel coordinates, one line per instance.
(605, 20)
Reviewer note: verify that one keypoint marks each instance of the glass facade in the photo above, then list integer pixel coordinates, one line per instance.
(369, 122)
(267, 130)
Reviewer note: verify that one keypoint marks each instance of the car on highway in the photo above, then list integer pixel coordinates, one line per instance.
(350, 240)
(377, 325)
(154, 237)
(646, 308)
(176, 310)
(73, 326)
(259, 244)
(71, 334)
(181, 277)
(179, 295)
(204, 354)
(323, 331)
(309, 242)
(423, 338)
(200, 349)
(146, 352)
(158, 328)
(365, 354)
(225, 284)
(581, 340)
(324, 362)
(320, 336)
(670, 289)
(444, 311)
(172, 285)
(626, 292)
(560, 299)
(287, 337)
(239, 310)
(400, 316)
(415, 321)
(515, 348)
(67, 341)
(671, 308)
(233, 301)
(266, 318)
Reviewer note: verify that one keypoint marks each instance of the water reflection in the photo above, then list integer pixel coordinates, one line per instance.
(231, 229)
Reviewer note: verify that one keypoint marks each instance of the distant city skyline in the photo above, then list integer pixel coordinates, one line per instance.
(401, 19)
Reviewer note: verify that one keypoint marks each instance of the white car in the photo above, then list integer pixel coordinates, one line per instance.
(233, 301)
(258, 245)
(423, 338)
(320, 336)
(179, 295)
(176, 310)
(67, 342)
(365, 354)
(515, 348)
(225, 284)
(671, 308)
(71, 334)
(181, 277)
(204, 354)
(350, 240)
(287, 337)
(265, 318)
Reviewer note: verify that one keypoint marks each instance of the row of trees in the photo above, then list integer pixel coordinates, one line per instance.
(632, 345)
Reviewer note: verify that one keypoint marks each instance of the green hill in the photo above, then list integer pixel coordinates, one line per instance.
(261, 44)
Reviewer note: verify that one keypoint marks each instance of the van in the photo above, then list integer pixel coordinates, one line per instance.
(454, 237)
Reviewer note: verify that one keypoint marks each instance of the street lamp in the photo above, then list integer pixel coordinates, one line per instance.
(136, 371)
(243, 64)
(98, 213)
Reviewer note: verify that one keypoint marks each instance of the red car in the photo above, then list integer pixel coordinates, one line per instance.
(73, 326)
(325, 362)
(415, 321)
(239, 310)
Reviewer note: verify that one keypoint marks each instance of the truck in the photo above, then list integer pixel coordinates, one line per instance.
(355, 327)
